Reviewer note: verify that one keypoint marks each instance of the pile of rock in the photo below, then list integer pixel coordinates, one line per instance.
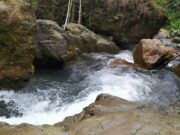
(152, 54)
(55, 46)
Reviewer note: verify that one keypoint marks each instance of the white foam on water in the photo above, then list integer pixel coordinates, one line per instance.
(38, 115)
(127, 85)
(35, 111)
(126, 55)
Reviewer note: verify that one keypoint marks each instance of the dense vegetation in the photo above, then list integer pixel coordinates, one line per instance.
(173, 10)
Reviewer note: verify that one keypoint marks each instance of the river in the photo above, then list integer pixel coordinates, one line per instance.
(53, 95)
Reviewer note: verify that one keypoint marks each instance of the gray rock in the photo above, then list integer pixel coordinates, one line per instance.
(80, 37)
(51, 45)
(55, 46)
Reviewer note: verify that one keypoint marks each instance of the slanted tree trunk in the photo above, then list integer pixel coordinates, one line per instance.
(71, 11)
(167, 62)
(80, 11)
(68, 13)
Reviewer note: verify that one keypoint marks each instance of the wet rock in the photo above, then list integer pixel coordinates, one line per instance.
(176, 40)
(152, 53)
(6, 110)
(168, 38)
(174, 33)
(162, 34)
(56, 46)
(121, 62)
(2, 104)
(16, 43)
(174, 65)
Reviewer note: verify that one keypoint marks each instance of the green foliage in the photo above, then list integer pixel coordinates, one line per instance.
(160, 2)
(170, 4)
(173, 10)
(174, 20)
(33, 2)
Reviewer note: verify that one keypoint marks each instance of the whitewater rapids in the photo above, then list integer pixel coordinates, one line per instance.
(51, 96)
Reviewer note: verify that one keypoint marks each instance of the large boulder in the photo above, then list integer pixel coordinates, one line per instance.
(51, 45)
(55, 46)
(152, 53)
(16, 43)
(127, 21)
(80, 37)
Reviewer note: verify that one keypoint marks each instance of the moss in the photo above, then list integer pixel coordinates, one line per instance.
(16, 45)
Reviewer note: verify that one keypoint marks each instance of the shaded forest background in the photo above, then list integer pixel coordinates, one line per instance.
(172, 8)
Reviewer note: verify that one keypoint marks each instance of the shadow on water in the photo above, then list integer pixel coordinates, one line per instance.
(53, 95)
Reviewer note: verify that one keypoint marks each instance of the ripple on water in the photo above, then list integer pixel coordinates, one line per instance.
(51, 96)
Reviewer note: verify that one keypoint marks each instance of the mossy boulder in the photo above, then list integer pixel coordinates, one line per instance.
(56, 46)
(51, 45)
(16, 43)
(78, 36)
(127, 21)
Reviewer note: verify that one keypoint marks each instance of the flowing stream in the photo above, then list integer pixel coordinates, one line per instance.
(53, 95)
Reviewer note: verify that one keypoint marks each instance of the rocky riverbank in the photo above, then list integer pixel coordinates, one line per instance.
(106, 116)
(29, 42)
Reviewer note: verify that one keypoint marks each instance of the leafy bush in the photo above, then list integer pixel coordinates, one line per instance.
(173, 10)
